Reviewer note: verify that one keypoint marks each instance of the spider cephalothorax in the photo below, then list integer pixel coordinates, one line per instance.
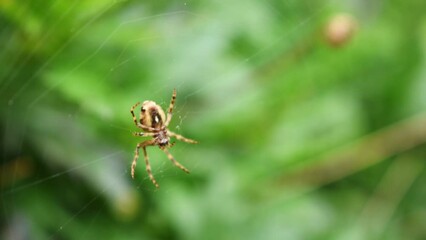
(154, 124)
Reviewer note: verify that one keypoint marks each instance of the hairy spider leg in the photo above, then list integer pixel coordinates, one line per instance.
(143, 145)
(133, 114)
(139, 125)
(144, 134)
(176, 163)
(170, 111)
(181, 138)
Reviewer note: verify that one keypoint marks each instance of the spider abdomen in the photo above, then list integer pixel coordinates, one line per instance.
(152, 115)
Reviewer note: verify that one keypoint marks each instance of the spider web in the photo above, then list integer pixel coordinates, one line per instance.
(143, 35)
(113, 163)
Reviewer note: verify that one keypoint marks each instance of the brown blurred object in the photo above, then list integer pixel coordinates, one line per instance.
(14, 171)
(340, 29)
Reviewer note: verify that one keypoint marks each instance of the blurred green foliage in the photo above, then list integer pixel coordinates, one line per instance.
(301, 136)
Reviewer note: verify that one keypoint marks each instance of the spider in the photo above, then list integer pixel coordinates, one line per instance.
(154, 124)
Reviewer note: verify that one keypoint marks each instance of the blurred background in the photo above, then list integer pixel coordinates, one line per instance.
(310, 117)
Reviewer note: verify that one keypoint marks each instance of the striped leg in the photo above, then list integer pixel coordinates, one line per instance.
(132, 109)
(143, 145)
(170, 112)
(176, 163)
(181, 138)
(143, 134)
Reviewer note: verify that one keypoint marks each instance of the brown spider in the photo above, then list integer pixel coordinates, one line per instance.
(154, 124)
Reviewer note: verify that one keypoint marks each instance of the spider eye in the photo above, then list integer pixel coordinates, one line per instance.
(143, 109)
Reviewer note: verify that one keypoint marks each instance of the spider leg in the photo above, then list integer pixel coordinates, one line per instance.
(176, 163)
(143, 145)
(181, 138)
(132, 109)
(170, 111)
(146, 128)
(143, 134)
